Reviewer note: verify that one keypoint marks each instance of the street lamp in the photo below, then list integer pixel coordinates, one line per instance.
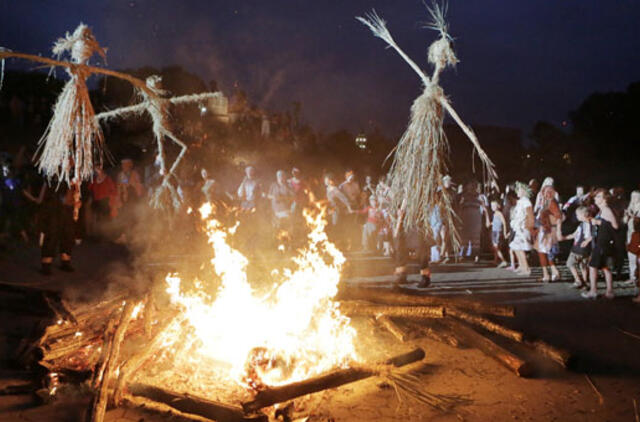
(361, 141)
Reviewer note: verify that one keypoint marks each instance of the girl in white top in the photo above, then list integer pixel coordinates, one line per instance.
(521, 219)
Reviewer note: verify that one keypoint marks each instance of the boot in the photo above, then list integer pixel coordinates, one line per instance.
(66, 266)
(46, 268)
(425, 278)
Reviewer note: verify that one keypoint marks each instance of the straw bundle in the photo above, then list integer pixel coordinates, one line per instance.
(73, 139)
(419, 162)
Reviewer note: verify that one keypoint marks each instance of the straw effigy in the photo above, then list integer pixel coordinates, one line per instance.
(73, 140)
(419, 161)
(158, 109)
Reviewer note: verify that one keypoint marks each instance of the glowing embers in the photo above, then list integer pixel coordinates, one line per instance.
(293, 331)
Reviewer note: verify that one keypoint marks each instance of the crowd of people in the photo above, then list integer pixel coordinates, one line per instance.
(596, 230)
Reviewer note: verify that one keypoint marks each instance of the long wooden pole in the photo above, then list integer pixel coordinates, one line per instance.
(322, 382)
(220, 412)
(99, 406)
(411, 312)
(491, 349)
(389, 297)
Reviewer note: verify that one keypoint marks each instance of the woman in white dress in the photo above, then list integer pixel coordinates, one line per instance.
(521, 224)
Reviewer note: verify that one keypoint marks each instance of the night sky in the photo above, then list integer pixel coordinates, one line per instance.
(520, 61)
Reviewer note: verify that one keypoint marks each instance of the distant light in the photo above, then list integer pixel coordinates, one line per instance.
(361, 141)
(203, 110)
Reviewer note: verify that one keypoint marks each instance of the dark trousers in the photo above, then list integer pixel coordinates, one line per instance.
(59, 231)
(413, 240)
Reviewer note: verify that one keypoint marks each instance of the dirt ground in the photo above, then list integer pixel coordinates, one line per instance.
(591, 330)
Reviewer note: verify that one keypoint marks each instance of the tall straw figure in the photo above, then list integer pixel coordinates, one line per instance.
(418, 165)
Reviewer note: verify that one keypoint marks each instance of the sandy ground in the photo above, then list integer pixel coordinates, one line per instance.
(591, 330)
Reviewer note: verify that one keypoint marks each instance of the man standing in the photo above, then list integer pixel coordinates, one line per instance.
(250, 190)
(281, 197)
(339, 208)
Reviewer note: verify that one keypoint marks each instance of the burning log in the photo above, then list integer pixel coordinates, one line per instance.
(392, 297)
(561, 356)
(393, 328)
(411, 312)
(190, 404)
(147, 404)
(486, 324)
(99, 405)
(491, 349)
(322, 382)
(137, 360)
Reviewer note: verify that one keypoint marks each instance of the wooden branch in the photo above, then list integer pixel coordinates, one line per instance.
(399, 333)
(491, 349)
(99, 406)
(368, 309)
(135, 402)
(595, 389)
(220, 412)
(390, 297)
(323, 382)
(137, 360)
(435, 331)
(561, 356)
(486, 324)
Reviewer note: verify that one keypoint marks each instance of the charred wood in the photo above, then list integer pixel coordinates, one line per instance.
(191, 404)
(323, 382)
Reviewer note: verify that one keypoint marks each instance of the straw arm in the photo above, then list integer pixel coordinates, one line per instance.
(472, 137)
(379, 29)
(51, 62)
(119, 112)
(196, 97)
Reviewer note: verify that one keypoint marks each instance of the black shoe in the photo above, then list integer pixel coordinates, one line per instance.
(66, 266)
(46, 269)
(425, 281)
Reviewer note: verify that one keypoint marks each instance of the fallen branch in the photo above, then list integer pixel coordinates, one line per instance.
(187, 403)
(137, 360)
(559, 355)
(323, 382)
(135, 402)
(491, 349)
(393, 328)
(636, 336)
(99, 405)
(486, 324)
(600, 397)
(368, 309)
(391, 297)
(436, 332)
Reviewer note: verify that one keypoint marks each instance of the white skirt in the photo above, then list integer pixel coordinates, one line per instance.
(521, 241)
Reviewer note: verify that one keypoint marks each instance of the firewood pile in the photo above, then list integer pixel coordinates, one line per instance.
(453, 321)
(106, 343)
